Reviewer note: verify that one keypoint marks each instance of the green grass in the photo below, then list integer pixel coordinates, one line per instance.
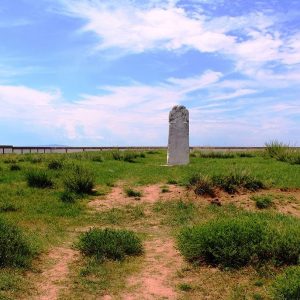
(248, 238)
(286, 286)
(47, 220)
(263, 201)
(110, 244)
(15, 250)
(132, 193)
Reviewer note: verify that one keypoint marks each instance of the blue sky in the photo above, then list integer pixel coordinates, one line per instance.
(106, 72)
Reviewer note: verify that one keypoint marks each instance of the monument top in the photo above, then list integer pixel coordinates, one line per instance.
(179, 112)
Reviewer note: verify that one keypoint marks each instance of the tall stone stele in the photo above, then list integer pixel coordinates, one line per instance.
(178, 145)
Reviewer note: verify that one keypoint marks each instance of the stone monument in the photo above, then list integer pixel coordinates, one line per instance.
(178, 144)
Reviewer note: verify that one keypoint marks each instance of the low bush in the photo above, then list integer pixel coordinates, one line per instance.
(79, 180)
(263, 201)
(98, 158)
(15, 167)
(245, 154)
(15, 251)
(203, 185)
(132, 193)
(248, 238)
(117, 155)
(8, 207)
(38, 179)
(67, 197)
(287, 285)
(55, 165)
(213, 154)
(236, 180)
(110, 243)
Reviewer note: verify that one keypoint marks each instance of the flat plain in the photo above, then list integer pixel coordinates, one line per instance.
(137, 192)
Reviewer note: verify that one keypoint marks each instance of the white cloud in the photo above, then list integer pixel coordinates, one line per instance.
(252, 41)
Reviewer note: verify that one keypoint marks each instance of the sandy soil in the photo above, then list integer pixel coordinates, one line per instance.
(52, 279)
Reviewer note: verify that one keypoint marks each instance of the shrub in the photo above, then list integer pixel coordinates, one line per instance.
(245, 154)
(130, 157)
(132, 193)
(55, 165)
(117, 155)
(15, 167)
(14, 249)
(8, 207)
(263, 201)
(185, 287)
(213, 154)
(38, 179)
(287, 285)
(237, 179)
(110, 243)
(67, 197)
(79, 180)
(248, 238)
(277, 150)
(203, 186)
(98, 158)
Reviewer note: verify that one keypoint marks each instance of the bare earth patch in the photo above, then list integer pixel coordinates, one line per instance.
(51, 280)
(150, 194)
(155, 281)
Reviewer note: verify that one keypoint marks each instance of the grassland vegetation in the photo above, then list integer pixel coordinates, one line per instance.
(110, 244)
(286, 286)
(248, 238)
(15, 250)
(48, 219)
(38, 178)
(132, 193)
(263, 201)
(79, 180)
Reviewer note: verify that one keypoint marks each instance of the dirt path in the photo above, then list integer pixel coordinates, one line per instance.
(156, 279)
(52, 279)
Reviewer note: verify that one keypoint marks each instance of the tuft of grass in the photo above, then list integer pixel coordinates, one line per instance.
(79, 180)
(8, 207)
(38, 179)
(98, 158)
(132, 193)
(185, 287)
(165, 190)
(172, 181)
(237, 179)
(68, 197)
(15, 167)
(248, 238)
(214, 154)
(55, 165)
(15, 251)
(263, 201)
(286, 286)
(110, 244)
(277, 150)
(202, 185)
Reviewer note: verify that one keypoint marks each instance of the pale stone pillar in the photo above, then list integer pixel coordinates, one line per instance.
(178, 145)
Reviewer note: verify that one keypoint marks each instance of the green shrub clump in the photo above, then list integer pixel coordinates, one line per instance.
(67, 197)
(236, 180)
(202, 185)
(110, 243)
(132, 193)
(79, 180)
(263, 201)
(38, 179)
(15, 251)
(247, 238)
(15, 167)
(55, 165)
(287, 285)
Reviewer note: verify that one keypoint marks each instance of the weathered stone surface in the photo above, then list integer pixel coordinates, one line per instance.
(178, 145)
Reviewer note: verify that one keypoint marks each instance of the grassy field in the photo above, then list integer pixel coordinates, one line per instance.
(37, 195)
